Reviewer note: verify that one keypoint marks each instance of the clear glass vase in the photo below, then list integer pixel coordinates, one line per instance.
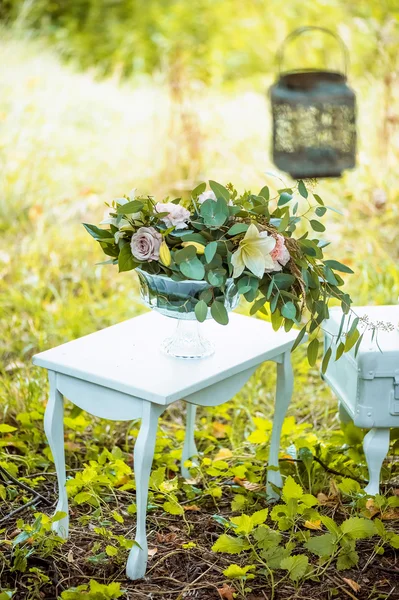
(177, 299)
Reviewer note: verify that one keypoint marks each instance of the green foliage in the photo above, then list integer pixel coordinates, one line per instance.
(226, 235)
(296, 566)
(94, 591)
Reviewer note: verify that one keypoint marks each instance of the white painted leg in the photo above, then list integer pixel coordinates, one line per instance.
(375, 446)
(54, 429)
(143, 457)
(285, 382)
(189, 448)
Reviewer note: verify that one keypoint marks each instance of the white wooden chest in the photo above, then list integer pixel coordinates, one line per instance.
(367, 384)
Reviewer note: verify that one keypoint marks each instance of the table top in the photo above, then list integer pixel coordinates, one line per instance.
(127, 357)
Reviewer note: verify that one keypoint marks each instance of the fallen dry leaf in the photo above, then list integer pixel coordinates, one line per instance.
(223, 454)
(72, 446)
(70, 557)
(252, 487)
(152, 552)
(192, 507)
(226, 592)
(166, 538)
(313, 524)
(390, 515)
(353, 584)
(219, 430)
(322, 498)
(371, 509)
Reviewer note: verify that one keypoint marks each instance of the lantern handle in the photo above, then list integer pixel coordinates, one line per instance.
(297, 32)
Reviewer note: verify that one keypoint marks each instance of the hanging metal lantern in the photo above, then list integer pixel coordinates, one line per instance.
(314, 118)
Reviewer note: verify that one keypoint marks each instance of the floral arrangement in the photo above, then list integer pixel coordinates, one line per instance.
(218, 236)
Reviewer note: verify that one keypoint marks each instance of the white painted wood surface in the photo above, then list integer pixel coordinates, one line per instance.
(119, 373)
(127, 356)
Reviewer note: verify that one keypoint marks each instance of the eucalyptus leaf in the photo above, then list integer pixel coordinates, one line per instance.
(285, 197)
(214, 213)
(206, 296)
(289, 310)
(193, 269)
(238, 228)
(201, 311)
(185, 254)
(126, 261)
(317, 226)
(97, 233)
(210, 251)
(217, 277)
(129, 208)
(284, 222)
(313, 351)
(265, 193)
(219, 190)
(302, 189)
(219, 313)
(198, 190)
(320, 211)
(326, 360)
(337, 266)
(260, 302)
(299, 338)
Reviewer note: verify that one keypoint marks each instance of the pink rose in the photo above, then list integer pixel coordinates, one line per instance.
(146, 243)
(279, 254)
(177, 215)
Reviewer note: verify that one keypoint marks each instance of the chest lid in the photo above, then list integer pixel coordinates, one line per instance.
(378, 354)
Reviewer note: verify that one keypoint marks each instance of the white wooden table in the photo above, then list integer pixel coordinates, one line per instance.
(119, 373)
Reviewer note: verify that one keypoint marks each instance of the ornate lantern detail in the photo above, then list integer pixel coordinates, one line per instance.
(314, 118)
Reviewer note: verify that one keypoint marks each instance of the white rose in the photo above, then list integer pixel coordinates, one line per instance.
(209, 196)
(206, 196)
(177, 216)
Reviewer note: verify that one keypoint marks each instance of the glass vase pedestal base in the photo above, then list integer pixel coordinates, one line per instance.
(187, 341)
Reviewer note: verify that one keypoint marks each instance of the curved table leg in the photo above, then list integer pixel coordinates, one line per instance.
(285, 382)
(54, 430)
(375, 446)
(189, 448)
(143, 457)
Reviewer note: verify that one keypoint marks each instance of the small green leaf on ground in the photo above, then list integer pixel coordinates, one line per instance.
(296, 566)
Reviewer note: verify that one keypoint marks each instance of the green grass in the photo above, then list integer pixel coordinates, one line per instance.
(67, 144)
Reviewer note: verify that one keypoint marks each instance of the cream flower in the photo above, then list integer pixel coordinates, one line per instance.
(177, 215)
(253, 253)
